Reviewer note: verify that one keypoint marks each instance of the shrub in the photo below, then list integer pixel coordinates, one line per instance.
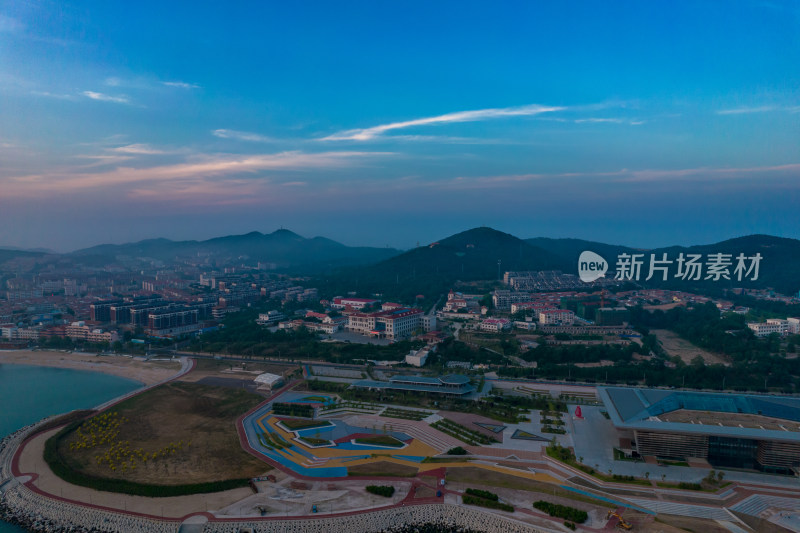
(381, 490)
(482, 502)
(482, 494)
(562, 511)
(458, 450)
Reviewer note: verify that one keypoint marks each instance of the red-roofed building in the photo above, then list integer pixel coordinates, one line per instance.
(394, 324)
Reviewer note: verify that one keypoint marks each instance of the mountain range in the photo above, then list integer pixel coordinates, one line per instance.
(284, 248)
(477, 254)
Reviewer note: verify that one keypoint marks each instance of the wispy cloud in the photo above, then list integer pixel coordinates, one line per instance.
(99, 160)
(366, 134)
(759, 109)
(138, 149)
(198, 168)
(48, 94)
(242, 136)
(181, 84)
(446, 139)
(608, 121)
(121, 99)
(619, 176)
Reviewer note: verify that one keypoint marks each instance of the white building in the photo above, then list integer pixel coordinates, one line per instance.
(496, 325)
(429, 322)
(774, 325)
(355, 303)
(418, 357)
(503, 299)
(79, 330)
(561, 317)
(271, 317)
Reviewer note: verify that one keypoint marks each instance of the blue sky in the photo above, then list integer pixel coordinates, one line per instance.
(641, 123)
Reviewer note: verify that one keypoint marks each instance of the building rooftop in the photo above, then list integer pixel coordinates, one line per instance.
(450, 384)
(732, 415)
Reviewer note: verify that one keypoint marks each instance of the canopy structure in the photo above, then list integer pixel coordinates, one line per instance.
(268, 381)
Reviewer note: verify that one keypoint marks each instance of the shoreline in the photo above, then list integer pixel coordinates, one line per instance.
(117, 365)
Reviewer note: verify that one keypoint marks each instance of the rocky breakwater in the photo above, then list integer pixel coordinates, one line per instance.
(36, 512)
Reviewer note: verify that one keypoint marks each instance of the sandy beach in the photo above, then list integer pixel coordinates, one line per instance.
(118, 365)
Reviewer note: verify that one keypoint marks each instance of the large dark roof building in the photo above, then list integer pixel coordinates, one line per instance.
(455, 384)
(733, 430)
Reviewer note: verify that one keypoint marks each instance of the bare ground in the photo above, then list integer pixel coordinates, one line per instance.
(674, 345)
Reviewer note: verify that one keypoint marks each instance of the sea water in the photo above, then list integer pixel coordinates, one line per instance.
(30, 393)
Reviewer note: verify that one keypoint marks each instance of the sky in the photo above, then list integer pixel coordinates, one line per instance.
(377, 123)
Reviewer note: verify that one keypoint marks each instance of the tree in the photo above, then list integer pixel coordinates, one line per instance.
(698, 363)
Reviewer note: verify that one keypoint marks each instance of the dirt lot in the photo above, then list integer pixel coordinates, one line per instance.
(189, 427)
(235, 370)
(674, 345)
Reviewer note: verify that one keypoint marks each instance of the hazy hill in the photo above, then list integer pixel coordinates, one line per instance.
(6, 254)
(470, 255)
(283, 247)
(570, 249)
(779, 269)
(430, 269)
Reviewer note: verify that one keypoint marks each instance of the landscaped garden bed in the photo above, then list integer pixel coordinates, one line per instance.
(380, 440)
(298, 424)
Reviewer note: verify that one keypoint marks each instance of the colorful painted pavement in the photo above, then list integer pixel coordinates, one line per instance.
(268, 438)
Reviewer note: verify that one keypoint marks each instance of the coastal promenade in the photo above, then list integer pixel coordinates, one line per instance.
(57, 509)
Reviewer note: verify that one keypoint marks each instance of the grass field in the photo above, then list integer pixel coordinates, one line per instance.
(492, 478)
(296, 424)
(175, 434)
(382, 469)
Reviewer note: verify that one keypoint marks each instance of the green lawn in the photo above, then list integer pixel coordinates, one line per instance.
(296, 424)
(381, 440)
